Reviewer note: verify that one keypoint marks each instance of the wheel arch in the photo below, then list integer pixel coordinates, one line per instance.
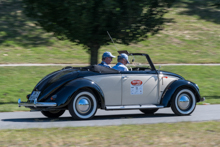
(175, 86)
(67, 93)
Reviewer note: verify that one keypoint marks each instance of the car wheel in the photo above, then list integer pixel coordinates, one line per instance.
(83, 105)
(53, 113)
(183, 102)
(148, 111)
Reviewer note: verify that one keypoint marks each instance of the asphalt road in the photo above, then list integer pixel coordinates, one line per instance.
(20, 120)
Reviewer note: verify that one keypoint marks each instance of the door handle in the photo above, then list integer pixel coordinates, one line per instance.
(124, 77)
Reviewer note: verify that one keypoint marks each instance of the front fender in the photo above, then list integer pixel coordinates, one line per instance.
(170, 89)
(65, 94)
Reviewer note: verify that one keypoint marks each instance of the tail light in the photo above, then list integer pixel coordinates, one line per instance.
(53, 97)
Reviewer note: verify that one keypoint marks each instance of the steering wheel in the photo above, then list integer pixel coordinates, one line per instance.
(130, 68)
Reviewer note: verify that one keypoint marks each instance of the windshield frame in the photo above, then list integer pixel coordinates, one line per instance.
(147, 57)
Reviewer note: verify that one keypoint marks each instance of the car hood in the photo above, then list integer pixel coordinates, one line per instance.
(50, 83)
(170, 74)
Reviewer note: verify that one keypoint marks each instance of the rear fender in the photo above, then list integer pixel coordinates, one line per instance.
(170, 90)
(65, 94)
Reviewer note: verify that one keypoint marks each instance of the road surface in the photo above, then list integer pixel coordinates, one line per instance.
(21, 120)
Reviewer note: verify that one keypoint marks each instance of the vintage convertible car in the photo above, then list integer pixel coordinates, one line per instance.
(84, 90)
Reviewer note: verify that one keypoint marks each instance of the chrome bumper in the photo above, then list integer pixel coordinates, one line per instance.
(202, 99)
(36, 104)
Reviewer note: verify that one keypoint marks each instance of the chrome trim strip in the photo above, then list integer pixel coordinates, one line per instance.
(134, 107)
(36, 104)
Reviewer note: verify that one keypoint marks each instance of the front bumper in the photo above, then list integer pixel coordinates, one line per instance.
(36, 104)
(202, 99)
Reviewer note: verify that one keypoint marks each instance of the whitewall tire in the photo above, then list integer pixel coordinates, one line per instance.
(183, 102)
(83, 105)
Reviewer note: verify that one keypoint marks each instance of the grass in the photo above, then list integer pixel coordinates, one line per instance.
(191, 35)
(17, 82)
(176, 134)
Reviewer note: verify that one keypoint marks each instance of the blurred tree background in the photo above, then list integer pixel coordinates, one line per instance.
(87, 22)
(217, 3)
(18, 30)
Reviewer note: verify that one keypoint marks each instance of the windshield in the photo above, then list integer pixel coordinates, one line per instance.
(139, 61)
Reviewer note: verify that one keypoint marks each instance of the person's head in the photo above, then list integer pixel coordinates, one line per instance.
(107, 57)
(123, 58)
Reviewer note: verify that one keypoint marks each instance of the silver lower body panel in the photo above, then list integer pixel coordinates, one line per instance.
(134, 107)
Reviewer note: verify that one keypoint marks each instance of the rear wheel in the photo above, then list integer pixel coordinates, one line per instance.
(183, 102)
(83, 105)
(148, 111)
(53, 113)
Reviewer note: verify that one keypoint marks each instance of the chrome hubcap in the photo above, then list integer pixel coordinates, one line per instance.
(183, 101)
(83, 105)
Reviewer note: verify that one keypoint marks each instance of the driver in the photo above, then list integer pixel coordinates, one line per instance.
(106, 59)
(122, 61)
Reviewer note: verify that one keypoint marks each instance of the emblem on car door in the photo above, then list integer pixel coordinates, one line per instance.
(136, 87)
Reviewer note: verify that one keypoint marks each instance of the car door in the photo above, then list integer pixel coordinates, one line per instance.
(110, 84)
(139, 88)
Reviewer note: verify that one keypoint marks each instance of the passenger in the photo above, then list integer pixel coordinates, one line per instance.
(106, 59)
(122, 61)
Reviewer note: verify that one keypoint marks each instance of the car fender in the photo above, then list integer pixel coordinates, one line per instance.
(173, 86)
(65, 94)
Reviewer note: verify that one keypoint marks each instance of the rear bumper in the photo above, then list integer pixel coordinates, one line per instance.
(36, 104)
(202, 99)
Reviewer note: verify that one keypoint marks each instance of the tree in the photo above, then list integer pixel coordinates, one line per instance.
(217, 3)
(87, 21)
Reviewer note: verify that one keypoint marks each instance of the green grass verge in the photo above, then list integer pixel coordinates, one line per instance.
(17, 82)
(175, 134)
(191, 35)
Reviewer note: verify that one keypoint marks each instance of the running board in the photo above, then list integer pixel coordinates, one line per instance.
(134, 107)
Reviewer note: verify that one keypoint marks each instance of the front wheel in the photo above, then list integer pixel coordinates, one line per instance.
(183, 102)
(53, 113)
(83, 105)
